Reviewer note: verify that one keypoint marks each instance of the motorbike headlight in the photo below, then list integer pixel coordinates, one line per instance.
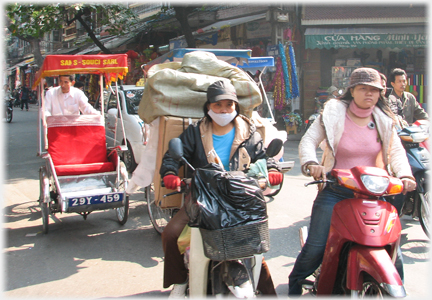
(375, 184)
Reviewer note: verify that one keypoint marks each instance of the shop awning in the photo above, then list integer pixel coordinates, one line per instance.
(109, 43)
(209, 33)
(23, 63)
(365, 37)
(230, 23)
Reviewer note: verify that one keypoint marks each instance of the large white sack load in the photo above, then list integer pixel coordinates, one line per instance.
(179, 89)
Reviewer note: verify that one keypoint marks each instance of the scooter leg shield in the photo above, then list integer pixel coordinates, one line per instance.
(378, 264)
(198, 266)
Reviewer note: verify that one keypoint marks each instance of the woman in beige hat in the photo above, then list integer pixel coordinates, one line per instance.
(356, 130)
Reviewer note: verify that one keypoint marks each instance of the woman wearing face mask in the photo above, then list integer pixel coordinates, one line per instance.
(225, 137)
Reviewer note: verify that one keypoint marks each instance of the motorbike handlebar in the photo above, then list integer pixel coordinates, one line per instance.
(320, 181)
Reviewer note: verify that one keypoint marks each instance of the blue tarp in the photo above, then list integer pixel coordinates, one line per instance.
(256, 62)
(229, 55)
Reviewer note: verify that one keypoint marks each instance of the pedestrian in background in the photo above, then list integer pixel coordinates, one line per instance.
(24, 97)
(394, 103)
(412, 110)
(79, 85)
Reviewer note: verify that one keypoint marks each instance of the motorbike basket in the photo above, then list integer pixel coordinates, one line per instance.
(236, 242)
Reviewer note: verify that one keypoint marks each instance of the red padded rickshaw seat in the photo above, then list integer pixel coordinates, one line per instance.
(77, 144)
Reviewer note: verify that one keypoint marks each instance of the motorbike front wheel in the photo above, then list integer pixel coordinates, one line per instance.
(8, 116)
(371, 288)
(424, 211)
(159, 217)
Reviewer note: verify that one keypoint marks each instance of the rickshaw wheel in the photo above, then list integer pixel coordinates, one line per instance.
(44, 192)
(123, 212)
(159, 217)
(45, 217)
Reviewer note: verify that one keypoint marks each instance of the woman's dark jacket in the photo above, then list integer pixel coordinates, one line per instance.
(247, 142)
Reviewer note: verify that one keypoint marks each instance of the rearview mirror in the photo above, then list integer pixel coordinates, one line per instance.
(274, 147)
(175, 148)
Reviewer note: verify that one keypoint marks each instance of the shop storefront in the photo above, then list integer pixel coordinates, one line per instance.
(336, 52)
(258, 33)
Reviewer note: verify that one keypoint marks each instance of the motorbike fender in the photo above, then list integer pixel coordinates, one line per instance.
(373, 223)
(198, 266)
(415, 157)
(377, 263)
(421, 177)
(370, 223)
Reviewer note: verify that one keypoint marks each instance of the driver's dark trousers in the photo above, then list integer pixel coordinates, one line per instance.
(175, 271)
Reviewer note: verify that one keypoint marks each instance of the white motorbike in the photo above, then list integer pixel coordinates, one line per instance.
(229, 257)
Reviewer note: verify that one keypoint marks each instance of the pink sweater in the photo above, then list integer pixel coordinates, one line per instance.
(358, 146)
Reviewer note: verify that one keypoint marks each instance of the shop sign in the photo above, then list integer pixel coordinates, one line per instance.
(273, 50)
(258, 29)
(347, 41)
(180, 43)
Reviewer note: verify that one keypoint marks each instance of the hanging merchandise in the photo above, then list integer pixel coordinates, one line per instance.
(285, 72)
(279, 86)
(294, 79)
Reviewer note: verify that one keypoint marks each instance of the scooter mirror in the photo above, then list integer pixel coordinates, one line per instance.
(175, 148)
(274, 147)
(388, 91)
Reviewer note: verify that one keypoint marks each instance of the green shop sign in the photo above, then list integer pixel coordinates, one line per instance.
(363, 40)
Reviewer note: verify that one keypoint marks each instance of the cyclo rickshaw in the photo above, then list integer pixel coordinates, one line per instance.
(81, 174)
(190, 80)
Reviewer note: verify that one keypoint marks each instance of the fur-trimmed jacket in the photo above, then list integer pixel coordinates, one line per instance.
(329, 127)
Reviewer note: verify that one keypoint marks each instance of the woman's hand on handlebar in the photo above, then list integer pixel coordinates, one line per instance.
(317, 172)
(275, 177)
(172, 182)
(409, 185)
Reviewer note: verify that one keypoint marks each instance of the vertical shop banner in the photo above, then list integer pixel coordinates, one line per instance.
(17, 77)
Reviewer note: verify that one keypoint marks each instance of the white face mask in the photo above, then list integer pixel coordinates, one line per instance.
(222, 119)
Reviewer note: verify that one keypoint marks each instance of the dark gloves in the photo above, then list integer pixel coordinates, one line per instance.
(275, 178)
(171, 181)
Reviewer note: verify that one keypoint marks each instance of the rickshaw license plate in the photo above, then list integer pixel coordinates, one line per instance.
(98, 199)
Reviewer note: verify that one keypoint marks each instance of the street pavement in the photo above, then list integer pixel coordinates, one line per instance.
(98, 258)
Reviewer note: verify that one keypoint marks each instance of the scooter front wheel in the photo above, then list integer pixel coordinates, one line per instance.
(371, 289)
(9, 116)
(424, 212)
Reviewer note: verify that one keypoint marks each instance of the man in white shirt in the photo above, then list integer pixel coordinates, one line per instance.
(67, 100)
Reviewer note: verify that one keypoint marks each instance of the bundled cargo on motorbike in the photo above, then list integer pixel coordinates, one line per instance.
(230, 210)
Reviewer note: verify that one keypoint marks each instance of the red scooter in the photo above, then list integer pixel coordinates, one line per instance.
(363, 239)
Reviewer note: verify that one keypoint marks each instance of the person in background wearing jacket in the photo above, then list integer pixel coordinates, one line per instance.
(412, 110)
(224, 136)
(358, 130)
(24, 97)
(333, 92)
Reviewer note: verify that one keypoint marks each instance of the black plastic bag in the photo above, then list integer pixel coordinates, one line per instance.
(218, 199)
